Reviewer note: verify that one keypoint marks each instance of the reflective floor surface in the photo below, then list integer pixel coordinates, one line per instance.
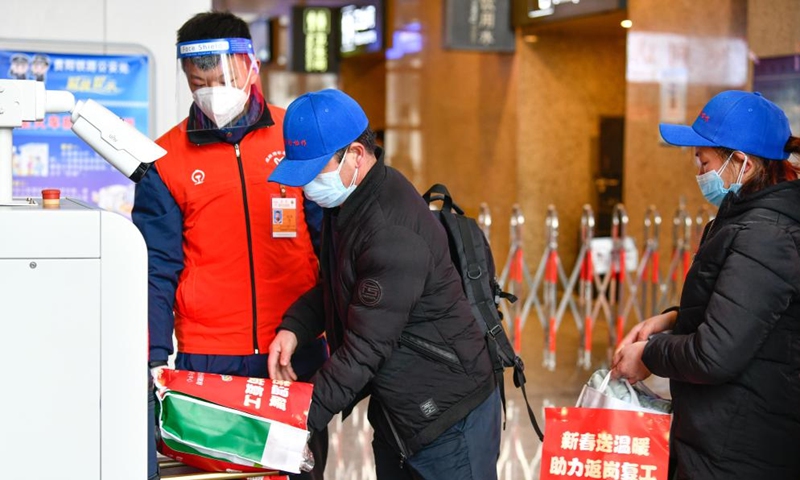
(350, 456)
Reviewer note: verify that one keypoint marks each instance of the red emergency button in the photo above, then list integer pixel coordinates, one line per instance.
(51, 197)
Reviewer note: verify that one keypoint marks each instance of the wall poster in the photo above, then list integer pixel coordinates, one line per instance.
(48, 154)
(778, 79)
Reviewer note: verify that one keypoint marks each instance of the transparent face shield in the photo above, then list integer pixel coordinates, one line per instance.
(223, 83)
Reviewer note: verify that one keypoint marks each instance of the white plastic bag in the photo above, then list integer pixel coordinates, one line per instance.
(620, 395)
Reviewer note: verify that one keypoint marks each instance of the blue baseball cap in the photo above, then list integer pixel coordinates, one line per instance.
(737, 120)
(316, 126)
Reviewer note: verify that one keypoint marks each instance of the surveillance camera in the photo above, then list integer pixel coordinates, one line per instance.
(124, 147)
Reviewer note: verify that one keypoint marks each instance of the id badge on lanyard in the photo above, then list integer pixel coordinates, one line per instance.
(284, 216)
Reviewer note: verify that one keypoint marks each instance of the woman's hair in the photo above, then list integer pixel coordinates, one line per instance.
(769, 172)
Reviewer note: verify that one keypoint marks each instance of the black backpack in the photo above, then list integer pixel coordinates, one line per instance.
(473, 259)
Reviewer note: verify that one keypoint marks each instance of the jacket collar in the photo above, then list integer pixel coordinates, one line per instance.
(782, 198)
(205, 137)
(364, 194)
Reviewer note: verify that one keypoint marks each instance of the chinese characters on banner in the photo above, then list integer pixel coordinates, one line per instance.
(479, 25)
(47, 154)
(605, 444)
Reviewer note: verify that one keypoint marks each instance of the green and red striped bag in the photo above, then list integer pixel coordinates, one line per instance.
(223, 423)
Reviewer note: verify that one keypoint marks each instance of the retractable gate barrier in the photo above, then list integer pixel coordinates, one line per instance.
(598, 286)
(681, 258)
(619, 278)
(550, 276)
(515, 278)
(611, 289)
(583, 274)
(638, 298)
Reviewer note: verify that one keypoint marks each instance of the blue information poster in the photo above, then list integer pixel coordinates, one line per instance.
(47, 154)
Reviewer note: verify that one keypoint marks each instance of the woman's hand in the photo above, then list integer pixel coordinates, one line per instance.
(642, 331)
(627, 363)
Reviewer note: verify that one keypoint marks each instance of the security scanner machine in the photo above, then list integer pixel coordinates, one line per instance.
(73, 311)
(73, 303)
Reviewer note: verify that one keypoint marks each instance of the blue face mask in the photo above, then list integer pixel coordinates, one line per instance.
(713, 187)
(327, 189)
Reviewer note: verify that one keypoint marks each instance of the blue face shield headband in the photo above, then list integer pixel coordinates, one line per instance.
(220, 72)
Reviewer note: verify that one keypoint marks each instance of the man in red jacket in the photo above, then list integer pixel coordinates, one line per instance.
(221, 270)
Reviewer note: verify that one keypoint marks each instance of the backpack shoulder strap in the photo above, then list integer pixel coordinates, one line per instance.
(480, 291)
(482, 297)
(519, 382)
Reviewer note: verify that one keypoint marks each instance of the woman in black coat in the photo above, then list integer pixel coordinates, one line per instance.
(732, 348)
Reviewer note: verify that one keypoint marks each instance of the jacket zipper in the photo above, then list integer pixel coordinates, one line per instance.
(400, 443)
(428, 349)
(249, 247)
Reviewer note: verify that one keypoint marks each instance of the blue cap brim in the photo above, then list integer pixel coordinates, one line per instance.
(683, 136)
(298, 173)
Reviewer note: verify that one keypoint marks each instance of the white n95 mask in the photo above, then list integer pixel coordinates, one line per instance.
(220, 104)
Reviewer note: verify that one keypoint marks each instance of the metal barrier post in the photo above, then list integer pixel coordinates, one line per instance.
(585, 270)
(637, 301)
(515, 274)
(550, 287)
(652, 228)
(619, 228)
(485, 220)
(681, 257)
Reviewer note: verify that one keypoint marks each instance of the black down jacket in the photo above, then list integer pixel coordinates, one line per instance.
(395, 315)
(734, 354)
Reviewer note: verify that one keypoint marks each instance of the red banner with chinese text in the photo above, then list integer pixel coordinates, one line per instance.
(605, 444)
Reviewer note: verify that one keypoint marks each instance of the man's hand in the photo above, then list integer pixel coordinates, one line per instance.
(280, 356)
(627, 363)
(155, 372)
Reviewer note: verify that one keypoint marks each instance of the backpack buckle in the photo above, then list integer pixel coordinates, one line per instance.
(474, 271)
(495, 330)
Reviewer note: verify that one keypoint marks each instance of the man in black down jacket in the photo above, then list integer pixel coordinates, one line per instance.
(733, 355)
(390, 302)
